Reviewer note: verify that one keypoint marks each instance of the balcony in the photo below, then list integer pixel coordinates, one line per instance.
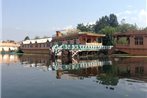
(94, 44)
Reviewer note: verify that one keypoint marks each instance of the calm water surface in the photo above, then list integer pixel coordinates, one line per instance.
(36, 76)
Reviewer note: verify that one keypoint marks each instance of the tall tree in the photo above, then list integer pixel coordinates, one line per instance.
(26, 38)
(108, 31)
(125, 27)
(101, 23)
(45, 36)
(81, 27)
(113, 20)
(85, 28)
(104, 21)
(37, 37)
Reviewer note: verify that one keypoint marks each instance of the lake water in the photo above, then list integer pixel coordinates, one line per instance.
(36, 76)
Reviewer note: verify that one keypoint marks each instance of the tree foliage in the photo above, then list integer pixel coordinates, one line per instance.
(45, 36)
(105, 25)
(108, 31)
(113, 20)
(85, 28)
(37, 37)
(26, 38)
(108, 25)
(125, 27)
(110, 20)
(123, 41)
(104, 21)
(145, 28)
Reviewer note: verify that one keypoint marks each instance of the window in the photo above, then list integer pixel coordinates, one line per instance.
(139, 40)
(60, 43)
(44, 45)
(48, 45)
(88, 40)
(75, 41)
(36, 45)
(68, 41)
(31, 45)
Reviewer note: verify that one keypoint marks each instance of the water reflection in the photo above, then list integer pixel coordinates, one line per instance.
(66, 78)
(40, 61)
(132, 67)
(107, 71)
(8, 59)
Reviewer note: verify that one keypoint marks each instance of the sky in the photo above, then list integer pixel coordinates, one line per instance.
(21, 18)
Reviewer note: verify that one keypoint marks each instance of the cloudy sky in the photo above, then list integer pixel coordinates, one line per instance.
(32, 18)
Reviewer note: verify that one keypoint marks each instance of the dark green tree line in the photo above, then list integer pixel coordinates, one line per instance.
(108, 25)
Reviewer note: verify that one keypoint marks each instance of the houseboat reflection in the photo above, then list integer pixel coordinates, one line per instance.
(106, 70)
(8, 59)
(40, 61)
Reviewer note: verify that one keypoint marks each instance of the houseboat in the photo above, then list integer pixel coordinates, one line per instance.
(36, 45)
(77, 43)
(133, 42)
(66, 43)
(8, 46)
(82, 38)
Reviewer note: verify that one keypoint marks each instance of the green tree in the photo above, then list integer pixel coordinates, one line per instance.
(45, 36)
(125, 27)
(81, 27)
(101, 23)
(104, 21)
(110, 20)
(108, 31)
(113, 20)
(90, 27)
(26, 38)
(37, 37)
(85, 28)
(145, 28)
(122, 41)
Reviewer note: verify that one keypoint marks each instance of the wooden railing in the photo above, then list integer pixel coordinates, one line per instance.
(80, 47)
(94, 44)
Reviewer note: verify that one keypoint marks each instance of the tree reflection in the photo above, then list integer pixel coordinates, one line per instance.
(108, 75)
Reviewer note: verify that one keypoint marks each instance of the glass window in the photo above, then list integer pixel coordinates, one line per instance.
(75, 41)
(138, 40)
(68, 41)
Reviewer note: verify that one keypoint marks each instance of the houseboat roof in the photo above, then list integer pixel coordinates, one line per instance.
(77, 34)
(41, 40)
(92, 34)
(138, 32)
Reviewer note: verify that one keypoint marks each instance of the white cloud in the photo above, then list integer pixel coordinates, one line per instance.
(134, 16)
(126, 12)
(143, 15)
(62, 28)
(129, 6)
(68, 27)
(57, 28)
(18, 28)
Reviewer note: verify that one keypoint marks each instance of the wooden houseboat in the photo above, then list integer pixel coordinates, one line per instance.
(8, 46)
(72, 43)
(36, 45)
(75, 43)
(82, 38)
(133, 42)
